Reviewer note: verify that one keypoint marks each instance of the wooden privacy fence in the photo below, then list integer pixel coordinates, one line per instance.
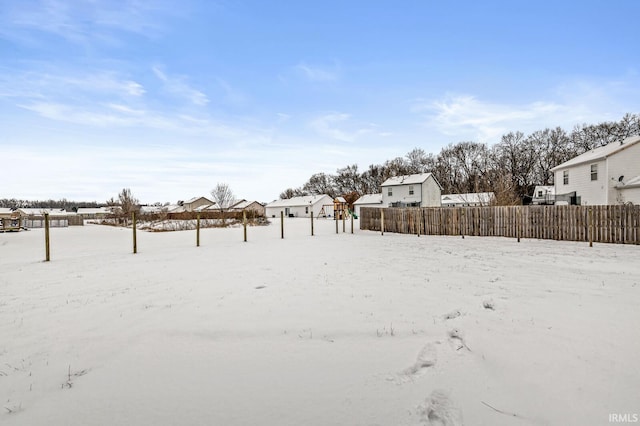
(605, 224)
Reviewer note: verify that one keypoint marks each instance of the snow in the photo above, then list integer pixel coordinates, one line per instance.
(334, 329)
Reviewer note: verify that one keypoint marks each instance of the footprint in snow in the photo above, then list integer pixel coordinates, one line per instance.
(456, 339)
(439, 410)
(426, 358)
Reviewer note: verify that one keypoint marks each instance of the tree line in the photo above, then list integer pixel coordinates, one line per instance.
(65, 204)
(510, 168)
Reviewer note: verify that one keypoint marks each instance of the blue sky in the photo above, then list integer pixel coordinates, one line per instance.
(169, 98)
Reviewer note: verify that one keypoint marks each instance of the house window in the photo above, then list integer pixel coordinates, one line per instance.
(539, 193)
(306, 210)
(390, 191)
(565, 177)
(410, 189)
(594, 172)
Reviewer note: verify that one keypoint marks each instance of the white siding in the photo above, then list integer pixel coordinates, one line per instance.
(431, 193)
(602, 191)
(427, 194)
(625, 163)
(630, 195)
(303, 210)
(590, 192)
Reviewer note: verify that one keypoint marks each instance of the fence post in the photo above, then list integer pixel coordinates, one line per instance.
(198, 230)
(135, 241)
(312, 222)
(46, 238)
(281, 224)
(344, 219)
(381, 221)
(590, 226)
(461, 220)
(244, 224)
(419, 220)
(336, 220)
(352, 222)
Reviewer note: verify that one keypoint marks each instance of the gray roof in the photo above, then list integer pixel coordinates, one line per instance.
(599, 153)
(468, 198)
(369, 199)
(409, 179)
(37, 211)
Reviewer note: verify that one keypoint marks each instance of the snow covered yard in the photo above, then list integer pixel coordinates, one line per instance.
(333, 329)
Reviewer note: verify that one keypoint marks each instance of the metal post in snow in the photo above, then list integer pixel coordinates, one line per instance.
(135, 241)
(198, 230)
(46, 238)
(244, 224)
(352, 222)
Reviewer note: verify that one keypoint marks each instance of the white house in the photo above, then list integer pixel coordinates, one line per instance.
(472, 199)
(606, 175)
(94, 212)
(250, 206)
(320, 205)
(419, 190)
(58, 218)
(543, 194)
(367, 200)
(196, 202)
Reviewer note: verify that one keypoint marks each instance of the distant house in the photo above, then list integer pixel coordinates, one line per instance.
(474, 199)
(94, 212)
(419, 190)
(249, 206)
(153, 209)
(368, 200)
(606, 175)
(320, 205)
(58, 218)
(196, 202)
(544, 195)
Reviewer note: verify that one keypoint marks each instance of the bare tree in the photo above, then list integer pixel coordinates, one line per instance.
(223, 196)
(292, 192)
(128, 203)
(319, 184)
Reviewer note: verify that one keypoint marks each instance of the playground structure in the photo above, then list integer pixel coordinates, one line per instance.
(11, 222)
(340, 210)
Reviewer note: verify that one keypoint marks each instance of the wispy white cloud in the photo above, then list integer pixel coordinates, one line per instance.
(66, 83)
(486, 121)
(82, 21)
(339, 126)
(231, 94)
(318, 73)
(468, 117)
(179, 87)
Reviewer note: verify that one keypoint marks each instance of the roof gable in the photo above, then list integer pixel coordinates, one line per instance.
(599, 153)
(410, 180)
